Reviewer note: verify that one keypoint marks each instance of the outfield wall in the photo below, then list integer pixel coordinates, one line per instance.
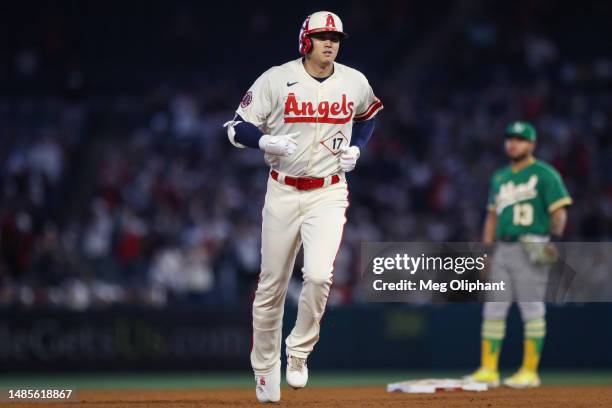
(367, 337)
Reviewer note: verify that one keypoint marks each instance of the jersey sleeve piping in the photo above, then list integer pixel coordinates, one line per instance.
(562, 202)
(369, 112)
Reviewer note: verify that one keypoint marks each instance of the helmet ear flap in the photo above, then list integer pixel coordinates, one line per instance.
(306, 45)
(305, 41)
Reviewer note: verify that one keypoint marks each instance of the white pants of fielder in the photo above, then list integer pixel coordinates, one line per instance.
(291, 218)
(526, 284)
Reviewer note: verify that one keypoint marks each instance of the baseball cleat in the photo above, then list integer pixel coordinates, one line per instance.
(267, 386)
(297, 372)
(523, 379)
(485, 376)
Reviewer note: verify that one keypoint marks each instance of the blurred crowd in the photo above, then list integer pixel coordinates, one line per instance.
(138, 198)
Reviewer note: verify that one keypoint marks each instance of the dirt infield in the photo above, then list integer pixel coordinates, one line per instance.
(550, 396)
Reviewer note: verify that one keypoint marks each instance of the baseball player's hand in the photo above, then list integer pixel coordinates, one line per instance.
(551, 253)
(272, 160)
(348, 158)
(279, 145)
(540, 253)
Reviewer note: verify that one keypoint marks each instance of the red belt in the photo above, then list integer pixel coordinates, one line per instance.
(305, 183)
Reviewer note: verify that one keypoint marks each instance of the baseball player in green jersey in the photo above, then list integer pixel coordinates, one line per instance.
(526, 211)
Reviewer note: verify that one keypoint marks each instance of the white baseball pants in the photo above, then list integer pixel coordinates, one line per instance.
(291, 218)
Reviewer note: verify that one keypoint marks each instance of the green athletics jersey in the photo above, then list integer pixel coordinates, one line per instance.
(524, 199)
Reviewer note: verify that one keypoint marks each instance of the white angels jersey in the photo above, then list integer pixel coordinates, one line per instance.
(286, 99)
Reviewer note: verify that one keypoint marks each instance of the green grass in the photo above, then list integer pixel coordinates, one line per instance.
(168, 380)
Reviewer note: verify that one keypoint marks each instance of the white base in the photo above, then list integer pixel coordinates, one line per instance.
(431, 385)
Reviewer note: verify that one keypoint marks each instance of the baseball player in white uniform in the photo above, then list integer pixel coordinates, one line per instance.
(311, 117)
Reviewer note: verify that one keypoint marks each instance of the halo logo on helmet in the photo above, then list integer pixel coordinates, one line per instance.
(319, 22)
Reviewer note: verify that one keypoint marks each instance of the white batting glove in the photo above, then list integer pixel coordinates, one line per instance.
(272, 160)
(279, 145)
(348, 158)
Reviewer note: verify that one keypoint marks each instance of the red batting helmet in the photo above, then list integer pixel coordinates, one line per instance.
(319, 22)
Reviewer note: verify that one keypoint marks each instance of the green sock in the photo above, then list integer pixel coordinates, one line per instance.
(535, 331)
(493, 332)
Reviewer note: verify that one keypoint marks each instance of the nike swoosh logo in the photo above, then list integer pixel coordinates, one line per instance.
(292, 83)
